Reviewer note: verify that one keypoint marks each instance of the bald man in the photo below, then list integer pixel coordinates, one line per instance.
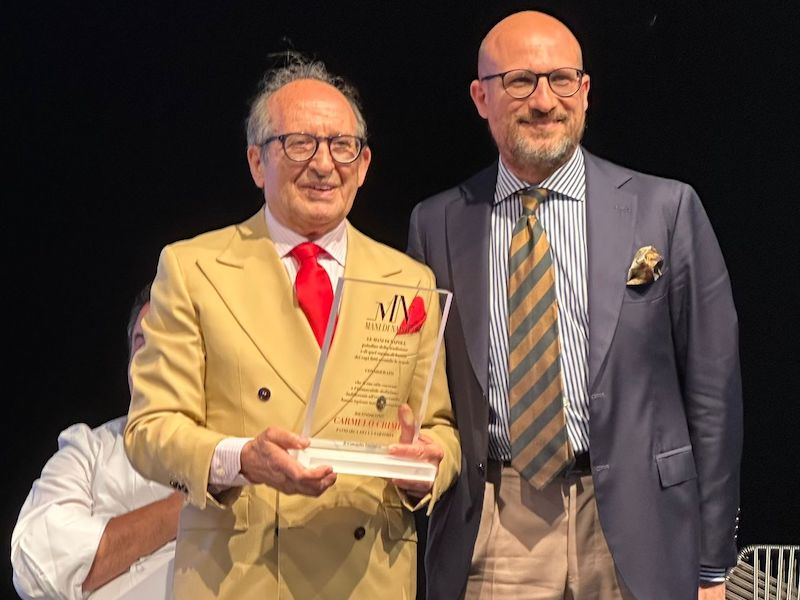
(592, 355)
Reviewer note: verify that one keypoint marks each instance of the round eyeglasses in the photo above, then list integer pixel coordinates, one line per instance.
(301, 147)
(521, 83)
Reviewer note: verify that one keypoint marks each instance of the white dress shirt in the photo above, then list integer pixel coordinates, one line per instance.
(83, 485)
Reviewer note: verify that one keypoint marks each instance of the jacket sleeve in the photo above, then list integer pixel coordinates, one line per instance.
(56, 536)
(705, 331)
(165, 437)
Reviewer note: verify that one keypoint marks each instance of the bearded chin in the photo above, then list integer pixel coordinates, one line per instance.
(552, 154)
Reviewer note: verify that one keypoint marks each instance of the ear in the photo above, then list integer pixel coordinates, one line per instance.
(256, 162)
(363, 164)
(585, 91)
(478, 95)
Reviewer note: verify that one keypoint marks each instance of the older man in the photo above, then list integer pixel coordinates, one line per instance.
(592, 355)
(233, 341)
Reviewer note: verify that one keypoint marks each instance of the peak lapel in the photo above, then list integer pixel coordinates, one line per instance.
(251, 280)
(468, 232)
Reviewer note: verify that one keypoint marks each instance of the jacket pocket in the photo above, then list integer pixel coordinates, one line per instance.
(647, 292)
(676, 466)
(234, 517)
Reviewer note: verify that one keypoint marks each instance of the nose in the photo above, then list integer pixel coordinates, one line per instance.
(322, 162)
(542, 99)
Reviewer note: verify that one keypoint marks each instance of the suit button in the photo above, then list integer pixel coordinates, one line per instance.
(264, 394)
(359, 533)
(481, 468)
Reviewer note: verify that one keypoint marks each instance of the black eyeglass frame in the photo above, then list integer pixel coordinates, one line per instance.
(536, 77)
(362, 143)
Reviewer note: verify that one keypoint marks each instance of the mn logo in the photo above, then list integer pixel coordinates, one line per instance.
(391, 311)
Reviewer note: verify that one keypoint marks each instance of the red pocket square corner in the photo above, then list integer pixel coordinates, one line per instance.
(415, 318)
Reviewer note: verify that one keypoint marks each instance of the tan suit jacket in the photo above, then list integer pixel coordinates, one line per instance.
(224, 331)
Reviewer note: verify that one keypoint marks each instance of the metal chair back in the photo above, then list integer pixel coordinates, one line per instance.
(765, 572)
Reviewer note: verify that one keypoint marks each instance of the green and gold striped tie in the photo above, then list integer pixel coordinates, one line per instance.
(539, 445)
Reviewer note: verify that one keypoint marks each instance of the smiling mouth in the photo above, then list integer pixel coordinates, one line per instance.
(319, 190)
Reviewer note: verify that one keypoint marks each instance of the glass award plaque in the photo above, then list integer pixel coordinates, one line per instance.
(380, 353)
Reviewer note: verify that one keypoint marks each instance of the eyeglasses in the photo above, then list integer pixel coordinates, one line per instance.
(521, 83)
(301, 147)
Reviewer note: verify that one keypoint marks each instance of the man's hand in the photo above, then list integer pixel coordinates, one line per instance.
(265, 460)
(423, 449)
(712, 592)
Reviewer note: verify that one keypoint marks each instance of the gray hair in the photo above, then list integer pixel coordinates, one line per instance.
(296, 67)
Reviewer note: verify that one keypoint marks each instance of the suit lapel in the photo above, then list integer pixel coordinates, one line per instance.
(610, 219)
(251, 280)
(468, 233)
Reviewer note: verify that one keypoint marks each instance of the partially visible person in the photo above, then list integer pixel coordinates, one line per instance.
(91, 526)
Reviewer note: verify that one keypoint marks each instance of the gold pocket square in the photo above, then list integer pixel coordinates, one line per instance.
(646, 266)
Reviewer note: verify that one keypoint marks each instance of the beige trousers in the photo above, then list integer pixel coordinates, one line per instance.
(541, 544)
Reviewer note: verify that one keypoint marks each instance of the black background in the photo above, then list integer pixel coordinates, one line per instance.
(123, 132)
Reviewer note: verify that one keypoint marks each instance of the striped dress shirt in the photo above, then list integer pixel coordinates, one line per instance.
(563, 217)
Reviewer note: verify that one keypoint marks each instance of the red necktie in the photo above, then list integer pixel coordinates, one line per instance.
(313, 286)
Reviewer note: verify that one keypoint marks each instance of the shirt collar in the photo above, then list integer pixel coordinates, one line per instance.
(334, 243)
(569, 180)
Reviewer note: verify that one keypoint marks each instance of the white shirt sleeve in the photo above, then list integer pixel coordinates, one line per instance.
(57, 533)
(226, 464)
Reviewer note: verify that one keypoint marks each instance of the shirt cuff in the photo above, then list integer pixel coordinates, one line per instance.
(712, 574)
(226, 464)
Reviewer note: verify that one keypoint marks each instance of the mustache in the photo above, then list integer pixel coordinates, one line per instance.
(538, 116)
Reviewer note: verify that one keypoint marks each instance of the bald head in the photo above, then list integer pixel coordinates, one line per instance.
(531, 32)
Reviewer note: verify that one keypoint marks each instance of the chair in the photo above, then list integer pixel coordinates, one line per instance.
(764, 572)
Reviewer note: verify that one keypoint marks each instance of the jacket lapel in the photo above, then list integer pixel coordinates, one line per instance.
(468, 233)
(252, 282)
(610, 219)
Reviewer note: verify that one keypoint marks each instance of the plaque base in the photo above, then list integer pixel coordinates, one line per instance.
(361, 462)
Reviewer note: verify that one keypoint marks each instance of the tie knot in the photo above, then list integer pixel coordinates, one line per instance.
(532, 198)
(306, 251)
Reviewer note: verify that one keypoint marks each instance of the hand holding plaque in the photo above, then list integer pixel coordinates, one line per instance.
(383, 355)
(417, 446)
